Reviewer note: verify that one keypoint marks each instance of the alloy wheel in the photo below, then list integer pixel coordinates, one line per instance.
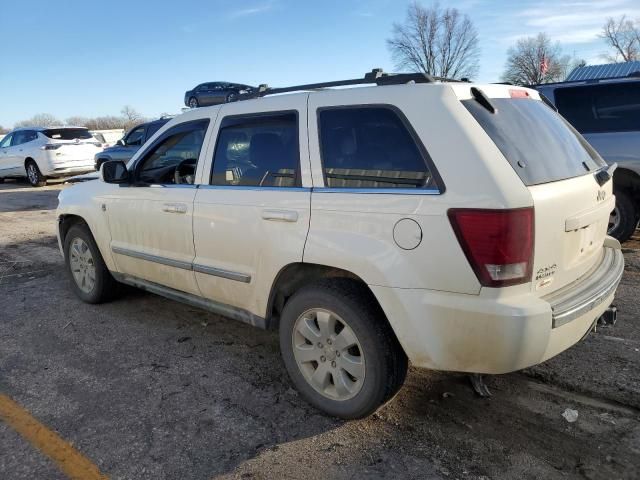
(614, 220)
(328, 354)
(82, 265)
(32, 173)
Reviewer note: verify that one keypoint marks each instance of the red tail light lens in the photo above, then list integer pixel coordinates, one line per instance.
(497, 243)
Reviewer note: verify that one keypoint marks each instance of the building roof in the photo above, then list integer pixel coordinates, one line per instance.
(610, 70)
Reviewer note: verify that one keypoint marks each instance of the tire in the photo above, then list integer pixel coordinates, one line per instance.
(624, 219)
(35, 177)
(383, 363)
(231, 97)
(104, 285)
(193, 102)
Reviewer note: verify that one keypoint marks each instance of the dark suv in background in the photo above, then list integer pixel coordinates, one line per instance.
(214, 93)
(607, 113)
(125, 148)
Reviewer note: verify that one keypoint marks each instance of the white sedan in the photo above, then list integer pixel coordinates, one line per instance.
(40, 153)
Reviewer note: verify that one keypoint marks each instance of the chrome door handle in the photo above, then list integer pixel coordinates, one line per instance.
(174, 208)
(280, 215)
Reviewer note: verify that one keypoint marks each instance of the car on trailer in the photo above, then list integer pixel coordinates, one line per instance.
(606, 111)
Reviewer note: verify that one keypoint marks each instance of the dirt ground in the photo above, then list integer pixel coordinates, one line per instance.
(147, 388)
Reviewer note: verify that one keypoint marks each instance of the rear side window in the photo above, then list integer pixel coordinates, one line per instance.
(538, 143)
(370, 147)
(258, 150)
(68, 133)
(601, 108)
(24, 136)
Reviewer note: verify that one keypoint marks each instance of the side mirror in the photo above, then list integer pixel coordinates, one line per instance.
(114, 171)
(120, 143)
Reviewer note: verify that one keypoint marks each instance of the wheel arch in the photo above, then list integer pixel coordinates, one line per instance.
(66, 221)
(295, 276)
(27, 160)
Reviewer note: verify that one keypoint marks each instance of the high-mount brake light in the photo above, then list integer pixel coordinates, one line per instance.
(516, 93)
(497, 243)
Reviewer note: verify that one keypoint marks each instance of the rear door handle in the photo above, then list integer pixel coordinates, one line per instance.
(174, 208)
(280, 215)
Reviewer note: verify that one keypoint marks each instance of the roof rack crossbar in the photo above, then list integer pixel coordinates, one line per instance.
(375, 76)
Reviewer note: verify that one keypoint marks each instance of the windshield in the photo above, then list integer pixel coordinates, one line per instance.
(538, 143)
(68, 133)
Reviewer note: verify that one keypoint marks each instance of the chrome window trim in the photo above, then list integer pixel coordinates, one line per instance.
(396, 191)
(217, 272)
(253, 187)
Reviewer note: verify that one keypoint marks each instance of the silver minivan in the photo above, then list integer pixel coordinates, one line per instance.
(607, 113)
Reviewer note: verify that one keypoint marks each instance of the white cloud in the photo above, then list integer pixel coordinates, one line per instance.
(254, 10)
(575, 22)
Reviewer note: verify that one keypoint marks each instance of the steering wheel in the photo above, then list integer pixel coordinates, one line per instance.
(185, 172)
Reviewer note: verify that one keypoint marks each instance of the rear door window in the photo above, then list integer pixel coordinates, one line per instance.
(606, 107)
(538, 143)
(370, 147)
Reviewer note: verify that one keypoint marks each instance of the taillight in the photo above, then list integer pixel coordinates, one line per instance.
(51, 146)
(497, 243)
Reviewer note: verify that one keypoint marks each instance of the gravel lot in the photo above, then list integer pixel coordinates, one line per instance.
(147, 388)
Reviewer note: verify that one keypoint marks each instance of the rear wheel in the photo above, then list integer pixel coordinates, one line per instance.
(35, 177)
(624, 218)
(91, 280)
(193, 102)
(339, 350)
(231, 97)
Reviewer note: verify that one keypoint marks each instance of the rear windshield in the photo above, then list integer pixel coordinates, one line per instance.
(68, 133)
(538, 143)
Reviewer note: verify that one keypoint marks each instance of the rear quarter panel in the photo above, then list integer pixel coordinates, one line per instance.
(355, 231)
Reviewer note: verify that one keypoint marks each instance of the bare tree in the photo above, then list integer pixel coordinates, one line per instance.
(77, 121)
(435, 41)
(535, 60)
(40, 120)
(130, 113)
(3, 130)
(623, 36)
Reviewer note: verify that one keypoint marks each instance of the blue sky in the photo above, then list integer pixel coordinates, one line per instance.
(91, 58)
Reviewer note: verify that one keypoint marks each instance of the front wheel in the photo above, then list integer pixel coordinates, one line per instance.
(193, 102)
(231, 97)
(339, 350)
(90, 278)
(36, 179)
(624, 218)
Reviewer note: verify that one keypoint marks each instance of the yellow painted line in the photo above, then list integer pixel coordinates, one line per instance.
(75, 465)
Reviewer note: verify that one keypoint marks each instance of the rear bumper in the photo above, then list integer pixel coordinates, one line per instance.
(586, 293)
(70, 168)
(495, 332)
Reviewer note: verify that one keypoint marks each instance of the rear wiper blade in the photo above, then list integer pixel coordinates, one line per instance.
(605, 174)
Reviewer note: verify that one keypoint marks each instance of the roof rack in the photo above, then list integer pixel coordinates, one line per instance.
(375, 76)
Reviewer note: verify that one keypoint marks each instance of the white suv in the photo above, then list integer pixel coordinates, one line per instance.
(41, 153)
(459, 227)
